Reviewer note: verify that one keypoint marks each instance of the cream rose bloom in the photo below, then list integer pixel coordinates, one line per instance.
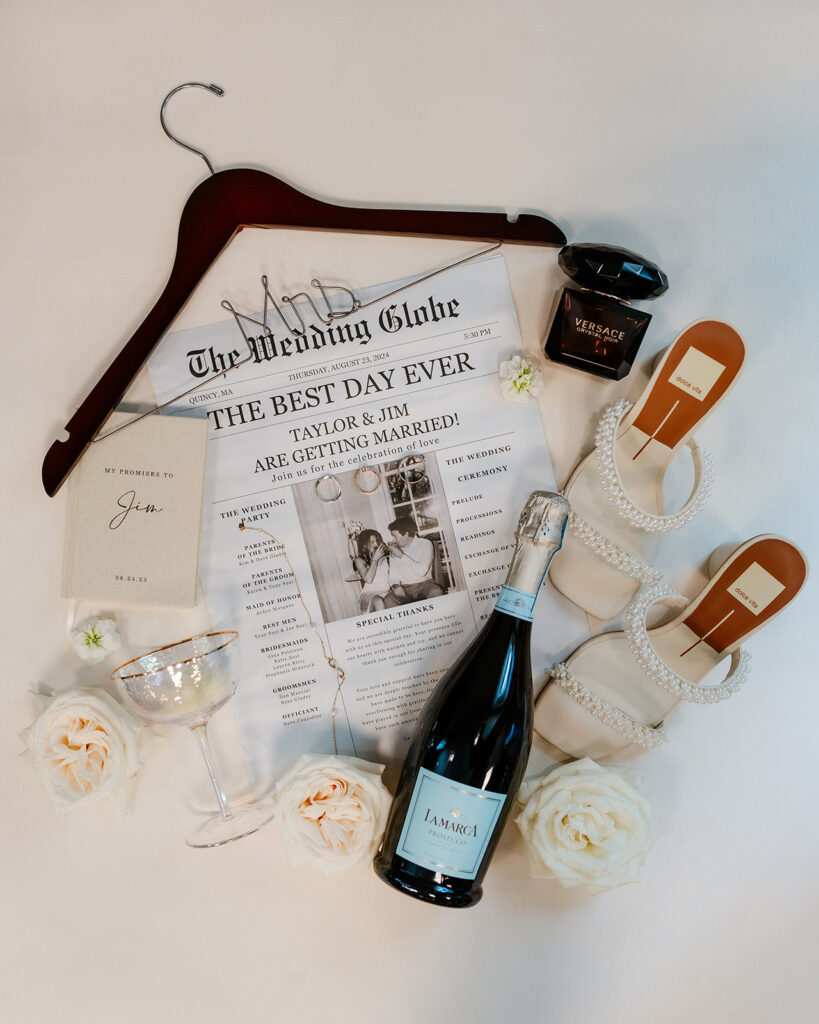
(586, 825)
(332, 810)
(85, 747)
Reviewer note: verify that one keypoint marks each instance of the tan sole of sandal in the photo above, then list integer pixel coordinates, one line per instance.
(616, 689)
(692, 378)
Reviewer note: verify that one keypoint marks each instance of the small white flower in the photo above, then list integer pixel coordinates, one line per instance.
(85, 747)
(332, 810)
(95, 638)
(586, 825)
(519, 379)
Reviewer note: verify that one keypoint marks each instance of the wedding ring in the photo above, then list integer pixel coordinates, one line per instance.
(412, 468)
(327, 488)
(367, 479)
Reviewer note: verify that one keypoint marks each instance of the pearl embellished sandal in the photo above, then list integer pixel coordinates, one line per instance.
(616, 491)
(617, 688)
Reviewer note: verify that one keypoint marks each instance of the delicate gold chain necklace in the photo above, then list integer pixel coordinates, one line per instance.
(339, 671)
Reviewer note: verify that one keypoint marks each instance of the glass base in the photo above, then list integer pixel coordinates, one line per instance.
(243, 821)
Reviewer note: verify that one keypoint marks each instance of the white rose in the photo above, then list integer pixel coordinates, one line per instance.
(96, 638)
(332, 810)
(519, 379)
(85, 747)
(586, 825)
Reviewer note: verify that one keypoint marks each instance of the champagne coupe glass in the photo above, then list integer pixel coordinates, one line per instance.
(184, 684)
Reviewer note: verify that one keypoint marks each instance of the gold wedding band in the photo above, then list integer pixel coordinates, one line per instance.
(373, 479)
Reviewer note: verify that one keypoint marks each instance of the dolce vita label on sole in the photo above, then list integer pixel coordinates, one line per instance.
(696, 373)
(756, 588)
(448, 825)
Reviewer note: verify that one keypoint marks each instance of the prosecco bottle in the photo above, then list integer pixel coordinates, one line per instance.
(470, 746)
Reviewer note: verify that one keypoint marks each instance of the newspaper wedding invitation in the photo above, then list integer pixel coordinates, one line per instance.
(379, 453)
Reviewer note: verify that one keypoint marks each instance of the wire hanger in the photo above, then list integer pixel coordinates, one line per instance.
(327, 318)
(221, 206)
(331, 312)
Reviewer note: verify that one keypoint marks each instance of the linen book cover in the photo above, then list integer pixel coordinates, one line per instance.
(134, 513)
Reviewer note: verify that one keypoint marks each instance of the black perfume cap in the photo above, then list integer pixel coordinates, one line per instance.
(605, 268)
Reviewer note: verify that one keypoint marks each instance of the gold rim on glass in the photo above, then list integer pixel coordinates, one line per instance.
(231, 634)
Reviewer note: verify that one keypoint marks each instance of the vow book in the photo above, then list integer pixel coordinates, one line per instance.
(134, 513)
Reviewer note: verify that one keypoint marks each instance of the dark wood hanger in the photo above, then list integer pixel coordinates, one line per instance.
(218, 209)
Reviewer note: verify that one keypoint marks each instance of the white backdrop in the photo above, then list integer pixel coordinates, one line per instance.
(686, 131)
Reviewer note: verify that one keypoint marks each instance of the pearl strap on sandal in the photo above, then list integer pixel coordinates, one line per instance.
(634, 627)
(605, 439)
(645, 736)
(612, 553)
(617, 487)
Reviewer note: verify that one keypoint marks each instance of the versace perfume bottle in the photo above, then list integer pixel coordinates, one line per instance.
(595, 329)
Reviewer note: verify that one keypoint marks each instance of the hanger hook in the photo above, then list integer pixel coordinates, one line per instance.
(186, 85)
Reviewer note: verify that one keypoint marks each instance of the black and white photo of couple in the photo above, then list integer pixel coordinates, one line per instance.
(398, 572)
(380, 544)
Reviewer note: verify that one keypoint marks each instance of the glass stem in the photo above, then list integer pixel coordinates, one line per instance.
(201, 733)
